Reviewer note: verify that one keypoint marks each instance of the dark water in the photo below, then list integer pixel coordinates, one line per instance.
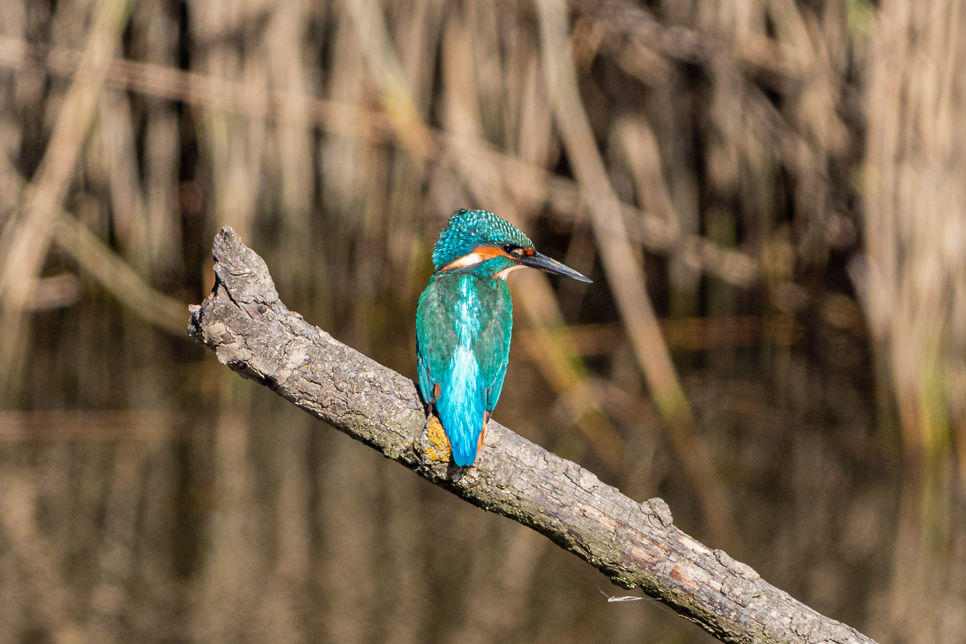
(224, 514)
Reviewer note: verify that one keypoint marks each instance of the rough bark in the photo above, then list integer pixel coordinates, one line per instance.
(635, 544)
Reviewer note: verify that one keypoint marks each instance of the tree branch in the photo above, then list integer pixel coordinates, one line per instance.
(635, 544)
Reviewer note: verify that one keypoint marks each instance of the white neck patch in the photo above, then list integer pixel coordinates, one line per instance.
(506, 271)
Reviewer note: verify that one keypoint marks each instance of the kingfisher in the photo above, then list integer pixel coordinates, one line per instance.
(464, 320)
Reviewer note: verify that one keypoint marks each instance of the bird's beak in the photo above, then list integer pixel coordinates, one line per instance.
(544, 263)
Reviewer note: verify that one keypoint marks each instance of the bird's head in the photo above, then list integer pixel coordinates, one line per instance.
(486, 244)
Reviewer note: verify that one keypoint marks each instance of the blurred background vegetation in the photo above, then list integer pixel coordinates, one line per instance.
(769, 195)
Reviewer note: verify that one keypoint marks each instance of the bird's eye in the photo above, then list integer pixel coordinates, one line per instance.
(510, 248)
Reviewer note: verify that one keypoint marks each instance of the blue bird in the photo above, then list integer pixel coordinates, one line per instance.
(464, 321)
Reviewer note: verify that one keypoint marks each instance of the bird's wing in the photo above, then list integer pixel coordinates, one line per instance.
(426, 382)
(493, 395)
(435, 337)
(493, 345)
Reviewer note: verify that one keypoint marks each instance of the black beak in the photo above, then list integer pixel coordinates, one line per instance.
(544, 263)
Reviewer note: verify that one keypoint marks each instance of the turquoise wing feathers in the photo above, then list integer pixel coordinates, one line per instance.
(500, 360)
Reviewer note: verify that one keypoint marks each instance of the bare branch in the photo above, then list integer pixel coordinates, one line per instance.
(635, 544)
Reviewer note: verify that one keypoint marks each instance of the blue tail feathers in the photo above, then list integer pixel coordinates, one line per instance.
(462, 405)
(463, 438)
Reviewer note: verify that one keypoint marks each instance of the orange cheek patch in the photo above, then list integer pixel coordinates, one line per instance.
(479, 254)
(489, 252)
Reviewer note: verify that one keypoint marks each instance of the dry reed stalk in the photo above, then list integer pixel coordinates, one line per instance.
(290, 167)
(623, 272)
(103, 264)
(26, 242)
(118, 278)
(118, 141)
(418, 30)
(728, 145)
(383, 65)
(633, 136)
(373, 191)
(154, 28)
(916, 220)
(697, 253)
(237, 147)
(915, 289)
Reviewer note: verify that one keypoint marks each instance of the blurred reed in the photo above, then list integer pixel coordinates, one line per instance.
(914, 280)
(26, 238)
(915, 275)
(702, 161)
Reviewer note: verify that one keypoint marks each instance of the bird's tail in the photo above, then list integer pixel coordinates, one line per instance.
(461, 407)
(463, 430)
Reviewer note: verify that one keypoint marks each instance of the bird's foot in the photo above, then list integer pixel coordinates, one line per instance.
(439, 448)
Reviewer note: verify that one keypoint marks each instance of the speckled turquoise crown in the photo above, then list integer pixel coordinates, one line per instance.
(469, 229)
